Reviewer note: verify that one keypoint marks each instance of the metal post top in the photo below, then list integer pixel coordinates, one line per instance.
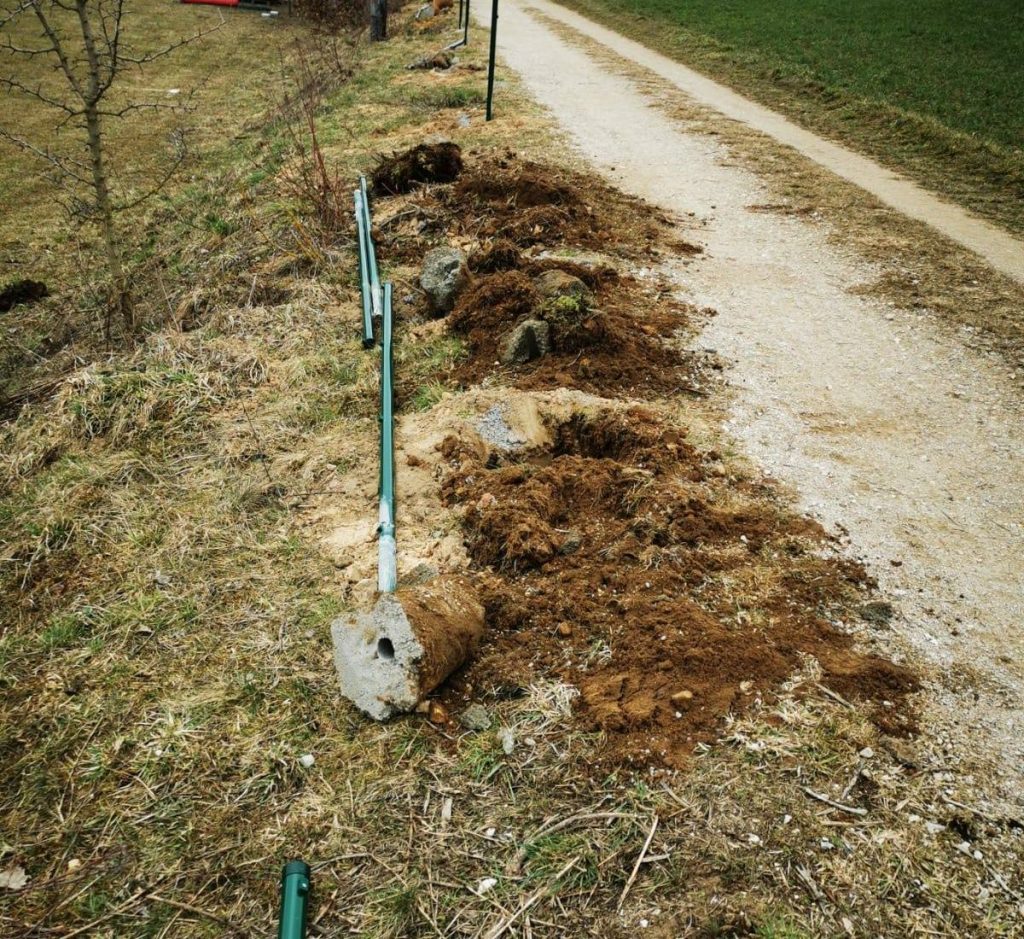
(296, 867)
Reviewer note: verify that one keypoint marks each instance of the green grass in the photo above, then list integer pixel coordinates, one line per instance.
(933, 87)
(456, 96)
(967, 58)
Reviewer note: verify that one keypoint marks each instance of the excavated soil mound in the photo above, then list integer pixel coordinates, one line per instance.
(620, 342)
(511, 203)
(623, 563)
(426, 163)
(530, 204)
(510, 213)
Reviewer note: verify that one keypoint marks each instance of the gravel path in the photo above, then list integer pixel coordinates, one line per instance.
(885, 429)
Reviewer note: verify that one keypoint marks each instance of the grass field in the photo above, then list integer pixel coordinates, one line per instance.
(931, 87)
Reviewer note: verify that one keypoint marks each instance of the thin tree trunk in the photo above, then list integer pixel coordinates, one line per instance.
(378, 20)
(104, 206)
(106, 217)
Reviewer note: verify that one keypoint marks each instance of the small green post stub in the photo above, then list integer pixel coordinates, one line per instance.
(295, 883)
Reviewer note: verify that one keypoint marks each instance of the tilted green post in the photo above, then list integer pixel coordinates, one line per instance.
(365, 288)
(294, 900)
(371, 251)
(387, 563)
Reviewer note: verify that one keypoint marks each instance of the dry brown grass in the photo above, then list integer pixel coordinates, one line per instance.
(165, 662)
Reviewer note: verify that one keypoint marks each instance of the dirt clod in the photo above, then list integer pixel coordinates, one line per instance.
(22, 291)
(425, 163)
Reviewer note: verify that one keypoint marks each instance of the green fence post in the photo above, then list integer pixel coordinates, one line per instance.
(490, 64)
(294, 900)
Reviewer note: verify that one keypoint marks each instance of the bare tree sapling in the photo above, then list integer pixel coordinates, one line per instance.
(85, 41)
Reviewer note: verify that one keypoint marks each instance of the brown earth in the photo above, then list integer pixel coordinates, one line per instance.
(511, 215)
(601, 348)
(619, 557)
(509, 201)
(623, 562)
(426, 163)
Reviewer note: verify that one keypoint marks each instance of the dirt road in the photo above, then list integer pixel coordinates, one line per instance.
(885, 428)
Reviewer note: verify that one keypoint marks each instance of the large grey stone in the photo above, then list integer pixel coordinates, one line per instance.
(445, 275)
(528, 341)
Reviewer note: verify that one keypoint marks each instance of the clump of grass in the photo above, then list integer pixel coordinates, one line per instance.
(449, 97)
(427, 396)
(128, 405)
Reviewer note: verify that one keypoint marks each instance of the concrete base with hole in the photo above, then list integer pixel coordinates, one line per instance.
(390, 658)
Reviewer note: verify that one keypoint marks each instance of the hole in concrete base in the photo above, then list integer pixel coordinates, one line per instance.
(385, 648)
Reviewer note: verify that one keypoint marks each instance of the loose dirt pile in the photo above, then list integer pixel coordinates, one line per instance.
(427, 163)
(618, 556)
(600, 347)
(512, 200)
(626, 564)
(518, 219)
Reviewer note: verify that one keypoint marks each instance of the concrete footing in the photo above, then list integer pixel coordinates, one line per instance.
(390, 658)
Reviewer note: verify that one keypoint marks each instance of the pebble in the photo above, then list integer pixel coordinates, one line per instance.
(494, 429)
(507, 740)
(485, 885)
(307, 760)
(866, 754)
(475, 717)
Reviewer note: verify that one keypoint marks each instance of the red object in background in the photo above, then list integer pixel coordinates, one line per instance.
(214, 3)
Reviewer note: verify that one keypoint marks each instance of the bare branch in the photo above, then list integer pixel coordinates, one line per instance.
(144, 106)
(126, 206)
(167, 50)
(12, 84)
(11, 15)
(58, 49)
(9, 46)
(61, 163)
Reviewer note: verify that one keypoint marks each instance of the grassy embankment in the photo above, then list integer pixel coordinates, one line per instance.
(930, 88)
(165, 661)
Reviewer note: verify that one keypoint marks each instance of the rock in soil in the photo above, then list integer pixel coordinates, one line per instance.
(445, 275)
(494, 429)
(425, 163)
(554, 283)
(475, 717)
(530, 340)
